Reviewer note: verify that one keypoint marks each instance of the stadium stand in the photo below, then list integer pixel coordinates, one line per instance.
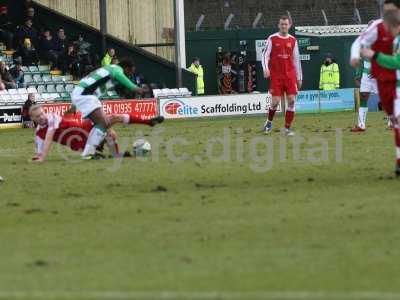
(302, 12)
(47, 85)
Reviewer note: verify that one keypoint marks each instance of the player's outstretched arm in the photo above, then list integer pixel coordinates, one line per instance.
(126, 82)
(388, 61)
(48, 142)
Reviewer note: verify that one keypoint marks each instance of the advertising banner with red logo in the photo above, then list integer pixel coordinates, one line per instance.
(214, 106)
(145, 109)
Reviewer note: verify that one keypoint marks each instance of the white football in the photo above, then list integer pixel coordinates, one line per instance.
(1, 179)
(141, 147)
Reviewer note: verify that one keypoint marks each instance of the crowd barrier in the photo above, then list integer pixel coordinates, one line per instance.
(206, 106)
(11, 116)
(254, 104)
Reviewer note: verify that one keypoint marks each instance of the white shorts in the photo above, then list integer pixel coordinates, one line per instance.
(86, 104)
(368, 85)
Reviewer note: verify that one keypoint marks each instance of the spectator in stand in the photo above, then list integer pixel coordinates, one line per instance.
(28, 54)
(18, 74)
(85, 58)
(61, 40)
(19, 10)
(48, 49)
(115, 61)
(139, 80)
(30, 13)
(6, 76)
(26, 119)
(6, 28)
(71, 63)
(2, 85)
(107, 59)
(27, 31)
(82, 46)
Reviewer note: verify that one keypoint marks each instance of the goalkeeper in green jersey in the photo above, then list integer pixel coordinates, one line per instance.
(85, 98)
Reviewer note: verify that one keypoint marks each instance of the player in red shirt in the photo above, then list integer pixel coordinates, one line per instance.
(281, 63)
(379, 39)
(73, 132)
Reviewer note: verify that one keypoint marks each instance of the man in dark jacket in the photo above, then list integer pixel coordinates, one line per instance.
(6, 28)
(27, 31)
(6, 76)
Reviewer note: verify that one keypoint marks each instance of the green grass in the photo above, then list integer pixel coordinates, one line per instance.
(80, 230)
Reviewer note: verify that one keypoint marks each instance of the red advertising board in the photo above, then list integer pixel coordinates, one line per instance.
(146, 109)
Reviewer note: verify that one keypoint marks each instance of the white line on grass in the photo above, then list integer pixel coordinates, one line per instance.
(169, 295)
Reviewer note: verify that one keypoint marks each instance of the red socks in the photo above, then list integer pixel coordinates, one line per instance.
(137, 120)
(271, 114)
(289, 117)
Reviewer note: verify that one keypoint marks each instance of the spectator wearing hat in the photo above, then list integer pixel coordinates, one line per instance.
(197, 69)
(330, 75)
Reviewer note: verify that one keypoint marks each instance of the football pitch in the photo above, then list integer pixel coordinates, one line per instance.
(220, 211)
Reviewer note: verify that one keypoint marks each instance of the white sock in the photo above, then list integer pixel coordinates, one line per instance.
(398, 152)
(362, 117)
(390, 123)
(112, 146)
(96, 136)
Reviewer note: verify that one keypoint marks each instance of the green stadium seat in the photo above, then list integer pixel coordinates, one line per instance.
(51, 88)
(47, 78)
(67, 78)
(33, 69)
(65, 96)
(60, 88)
(44, 68)
(56, 78)
(69, 88)
(112, 94)
(28, 79)
(41, 89)
(32, 90)
(37, 78)
(13, 91)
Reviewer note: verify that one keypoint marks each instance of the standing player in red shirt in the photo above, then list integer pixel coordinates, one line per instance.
(379, 39)
(281, 63)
